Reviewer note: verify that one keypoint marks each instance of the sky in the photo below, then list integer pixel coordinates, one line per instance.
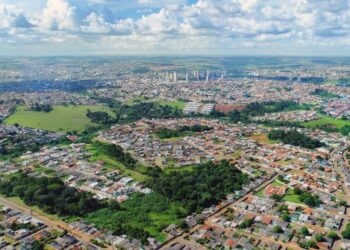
(175, 27)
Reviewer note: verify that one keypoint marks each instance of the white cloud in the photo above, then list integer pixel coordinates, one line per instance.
(176, 25)
(59, 15)
(13, 17)
(158, 23)
(96, 24)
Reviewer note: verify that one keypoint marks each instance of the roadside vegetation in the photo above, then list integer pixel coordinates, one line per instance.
(50, 195)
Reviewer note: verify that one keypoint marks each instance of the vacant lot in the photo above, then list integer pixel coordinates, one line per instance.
(262, 138)
(60, 119)
(174, 104)
(326, 120)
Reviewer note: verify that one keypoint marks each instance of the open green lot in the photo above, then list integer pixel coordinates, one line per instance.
(327, 120)
(111, 164)
(289, 196)
(151, 213)
(60, 119)
(173, 104)
(260, 193)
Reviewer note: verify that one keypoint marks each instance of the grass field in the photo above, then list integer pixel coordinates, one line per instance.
(173, 104)
(136, 100)
(185, 168)
(111, 164)
(262, 138)
(60, 119)
(291, 197)
(151, 213)
(326, 120)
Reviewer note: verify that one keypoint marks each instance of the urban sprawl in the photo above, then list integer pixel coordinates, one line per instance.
(166, 154)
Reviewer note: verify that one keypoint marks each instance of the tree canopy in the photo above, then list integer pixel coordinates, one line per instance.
(50, 194)
(203, 186)
(295, 138)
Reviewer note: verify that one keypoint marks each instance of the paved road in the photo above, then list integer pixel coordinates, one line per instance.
(49, 222)
(337, 244)
(213, 215)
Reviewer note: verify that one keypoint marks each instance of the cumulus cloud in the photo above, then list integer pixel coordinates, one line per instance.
(59, 15)
(171, 23)
(158, 23)
(13, 17)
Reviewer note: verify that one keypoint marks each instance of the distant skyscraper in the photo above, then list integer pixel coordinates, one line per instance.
(175, 77)
(187, 77)
(207, 78)
(169, 76)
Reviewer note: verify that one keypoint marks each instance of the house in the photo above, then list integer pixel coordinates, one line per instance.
(271, 190)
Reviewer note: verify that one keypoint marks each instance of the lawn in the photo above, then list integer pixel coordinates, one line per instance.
(172, 139)
(262, 138)
(291, 197)
(111, 164)
(173, 104)
(60, 119)
(185, 168)
(326, 120)
(136, 100)
(260, 193)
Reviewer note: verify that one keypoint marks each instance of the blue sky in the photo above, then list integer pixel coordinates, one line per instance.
(175, 27)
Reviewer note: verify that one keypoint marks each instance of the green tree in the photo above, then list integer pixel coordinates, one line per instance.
(319, 237)
(346, 232)
(304, 231)
(277, 229)
(333, 235)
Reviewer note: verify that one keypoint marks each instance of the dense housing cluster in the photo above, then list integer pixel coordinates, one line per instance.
(173, 154)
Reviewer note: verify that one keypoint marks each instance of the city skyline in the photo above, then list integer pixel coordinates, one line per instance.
(184, 27)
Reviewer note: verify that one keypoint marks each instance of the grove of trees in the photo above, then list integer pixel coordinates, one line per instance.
(37, 107)
(50, 194)
(203, 186)
(117, 153)
(295, 138)
(100, 117)
(183, 131)
(257, 109)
